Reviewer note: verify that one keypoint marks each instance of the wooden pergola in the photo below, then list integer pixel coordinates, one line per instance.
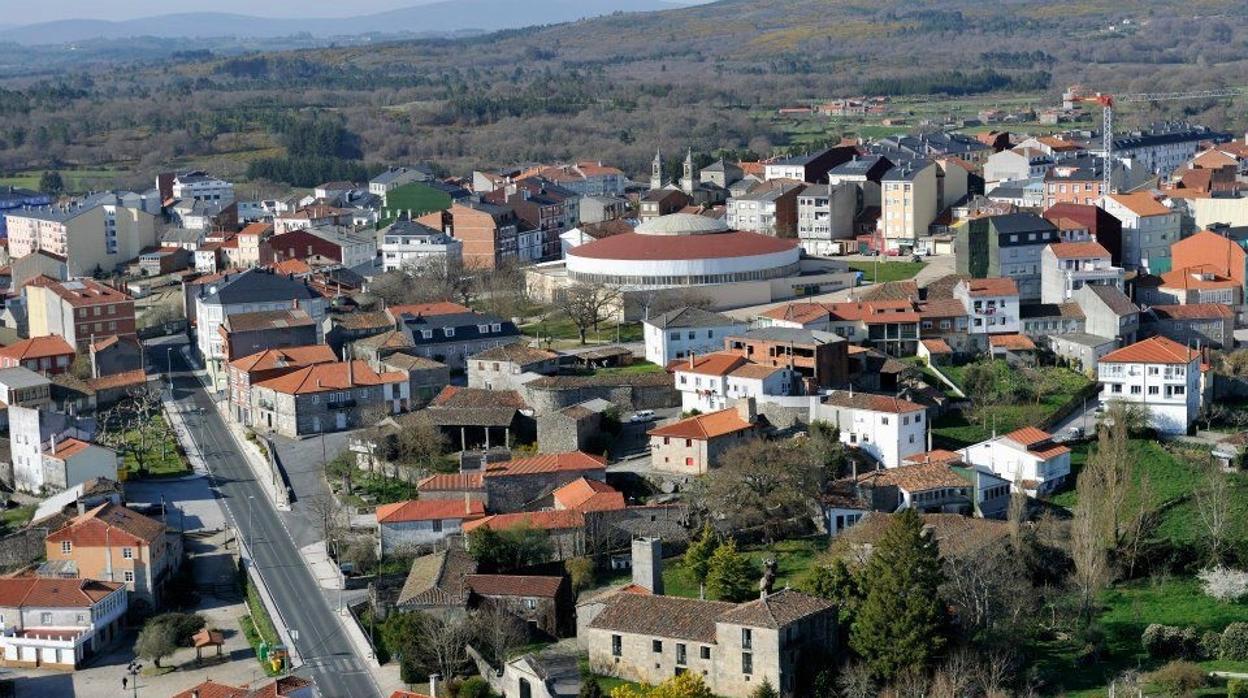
(207, 638)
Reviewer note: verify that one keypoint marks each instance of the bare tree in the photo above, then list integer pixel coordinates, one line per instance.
(1087, 549)
(446, 643)
(327, 514)
(587, 305)
(1213, 508)
(499, 631)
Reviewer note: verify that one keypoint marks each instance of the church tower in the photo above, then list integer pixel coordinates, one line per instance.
(656, 171)
(689, 180)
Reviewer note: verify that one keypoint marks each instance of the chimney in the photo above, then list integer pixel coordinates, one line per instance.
(692, 354)
(648, 564)
(433, 685)
(747, 409)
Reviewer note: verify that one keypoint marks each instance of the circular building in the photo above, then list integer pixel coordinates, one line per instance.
(683, 249)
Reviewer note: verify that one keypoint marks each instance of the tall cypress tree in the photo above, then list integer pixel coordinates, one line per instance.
(901, 622)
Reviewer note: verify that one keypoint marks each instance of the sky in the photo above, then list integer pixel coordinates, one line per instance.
(22, 12)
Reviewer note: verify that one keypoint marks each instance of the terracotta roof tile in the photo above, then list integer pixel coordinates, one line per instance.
(571, 461)
(776, 610)
(109, 524)
(212, 689)
(1193, 311)
(935, 456)
(662, 616)
(1154, 350)
(705, 426)
(584, 494)
(451, 482)
(937, 346)
(437, 579)
(37, 348)
(47, 592)
(455, 396)
(68, 448)
(545, 520)
(716, 364)
(328, 377)
(1142, 203)
(871, 401)
(995, 286)
(1037, 442)
(516, 352)
(429, 510)
(288, 357)
(919, 477)
(513, 585)
(1012, 342)
(1078, 250)
(119, 380)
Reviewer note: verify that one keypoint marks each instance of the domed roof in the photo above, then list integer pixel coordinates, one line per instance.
(682, 224)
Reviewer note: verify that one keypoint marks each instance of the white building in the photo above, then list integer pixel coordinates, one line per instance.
(884, 427)
(991, 305)
(201, 186)
(404, 526)
(1026, 457)
(684, 331)
(408, 243)
(56, 623)
(1065, 267)
(768, 208)
(396, 177)
(1149, 227)
(1016, 164)
(51, 453)
(713, 382)
(1158, 374)
(826, 214)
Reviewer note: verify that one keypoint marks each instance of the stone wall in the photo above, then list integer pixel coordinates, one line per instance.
(559, 433)
(22, 548)
(629, 393)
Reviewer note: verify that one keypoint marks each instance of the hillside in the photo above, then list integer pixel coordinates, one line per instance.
(616, 87)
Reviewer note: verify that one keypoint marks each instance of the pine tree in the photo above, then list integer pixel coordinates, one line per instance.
(900, 623)
(698, 554)
(729, 576)
(838, 584)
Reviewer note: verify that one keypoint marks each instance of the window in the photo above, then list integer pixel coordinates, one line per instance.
(705, 654)
(1154, 390)
(128, 575)
(530, 604)
(747, 663)
(66, 547)
(681, 657)
(883, 420)
(45, 618)
(747, 639)
(1135, 390)
(127, 553)
(448, 331)
(616, 646)
(426, 334)
(656, 646)
(437, 525)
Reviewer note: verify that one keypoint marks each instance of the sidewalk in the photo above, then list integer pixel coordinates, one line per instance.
(324, 571)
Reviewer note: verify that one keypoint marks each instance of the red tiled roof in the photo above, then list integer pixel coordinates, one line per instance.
(1154, 350)
(1078, 250)
(1142, 203)
(108, 524)
(320, 378)
(571, 461)
(1194, 311)
(118, 380)
(68, 448)
(37, 348)
(717, 364)
(49, 592)
(705, 426)
(545, 520)
(937, 346)
(639, 247)
(1194, 278)
(212, 689)
(291, 266)
(513, 585)
(995, 286)
(292, 357)
(939, 455)
(588, 495)
(82, 292)
(942, 308)
(871, 401)
(429, 510)
(1037, 442)
(1013, 342)
(451, 482)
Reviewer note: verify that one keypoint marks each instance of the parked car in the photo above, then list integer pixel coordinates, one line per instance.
(642, 416)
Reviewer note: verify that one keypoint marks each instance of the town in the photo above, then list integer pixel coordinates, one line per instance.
(960, 410)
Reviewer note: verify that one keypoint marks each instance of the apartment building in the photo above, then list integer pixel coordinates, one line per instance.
(1158, 374)
(1009, 245)
(769, 208)
(1065, 267)
(490, 233)
(77, 310)
(406, 244)
(99, 233)
(826, 214)
(909, 200)
(992, 306)
(1149, 228)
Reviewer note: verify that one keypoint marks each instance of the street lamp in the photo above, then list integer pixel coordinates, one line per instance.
(132, 677)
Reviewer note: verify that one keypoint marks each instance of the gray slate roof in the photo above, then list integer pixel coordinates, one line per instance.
(690, 317)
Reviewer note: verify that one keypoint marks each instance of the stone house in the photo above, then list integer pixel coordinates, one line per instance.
(472, 417)
(508, 366)
(254, 368)
(408, 525)
(425, 377)
(115, 354)
(327, 397)
(734, 647)
(514, 485)
(694, 445)
(543, 603)
(571, 428)
(459, 487)
(1199, 324)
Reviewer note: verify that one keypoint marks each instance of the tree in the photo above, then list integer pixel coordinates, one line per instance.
(591, 689)
(581, 573)
(1087, 547)
(1213, 509)
(698, 554)
(326, 514)
(729, 575)
(427, 644)
(764, 484)
(499, 632)
(765, 690)
(420, 442)
(687, 685)
(160, 314)
(587, 305)
(52, 183)
(840, 585)
(156, 641)
(81, 368)
(510, 549)
(900, 624)
(824, 447)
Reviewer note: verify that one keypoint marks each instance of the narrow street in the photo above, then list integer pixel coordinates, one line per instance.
(328, 655)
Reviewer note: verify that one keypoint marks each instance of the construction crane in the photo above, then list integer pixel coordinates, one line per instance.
(1107, 102)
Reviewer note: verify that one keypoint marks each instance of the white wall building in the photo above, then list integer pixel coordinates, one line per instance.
(407, 243)
(991, 305)
(684, 331)
(200, 186)
(1066, 267)
(1026, 457)
(57, 623)
(713, 382)
(886, 428)
(1159, 374)
(51, 453)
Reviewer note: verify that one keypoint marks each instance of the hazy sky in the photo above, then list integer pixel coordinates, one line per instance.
(21, 12)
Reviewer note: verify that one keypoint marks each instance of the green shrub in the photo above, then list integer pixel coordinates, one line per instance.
(1237, 688)
(475, 687)
(1179, 678)
(1234, 645)
(1171, 642)
(1210, 644)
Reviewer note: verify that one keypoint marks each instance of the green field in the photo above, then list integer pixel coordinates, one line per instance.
(76, 181)
(158, 457)
(956, 430)
(416, 198)
(558, 326)
(1126, 611)
(888, 271)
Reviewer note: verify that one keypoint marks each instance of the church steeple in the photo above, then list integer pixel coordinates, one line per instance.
(656, 170)
(689, 180)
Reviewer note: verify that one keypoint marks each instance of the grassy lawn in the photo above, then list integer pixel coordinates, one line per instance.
(1126, 611)
(957, 430)
(558, 326)
(76, 181)
(373, 490)
(15, 518)
(889, 271)
(257, 626)
(633, 369)
(414, 197)
(793, 559)
(159, 457)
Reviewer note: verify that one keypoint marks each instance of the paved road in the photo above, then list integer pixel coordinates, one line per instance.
(328, 655)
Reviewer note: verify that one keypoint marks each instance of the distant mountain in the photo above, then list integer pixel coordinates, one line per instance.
(444, 17)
